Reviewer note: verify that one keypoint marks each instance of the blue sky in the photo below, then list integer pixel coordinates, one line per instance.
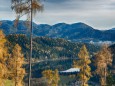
(100, 14)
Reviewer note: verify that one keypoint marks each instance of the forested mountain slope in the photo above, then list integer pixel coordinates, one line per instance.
(48, 48)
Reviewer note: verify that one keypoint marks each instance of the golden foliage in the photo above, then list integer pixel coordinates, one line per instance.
(52, 77)
(103, 59)
(3, 56)
(15, 63)
(83, 64)
(10, 68)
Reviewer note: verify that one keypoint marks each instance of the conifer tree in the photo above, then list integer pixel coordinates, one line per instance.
(3, 57)
(52, 77)
(29, 8)
(102, 61)
(55, 78)
(48, 75)
(16, 62)
(83, 64)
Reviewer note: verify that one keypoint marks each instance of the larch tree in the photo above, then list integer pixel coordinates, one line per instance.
(15, 64)
(52, 77)
(102, 61)
(56, 78)
(48, 75)
(29, 8)
(3, 57)
(83, 64)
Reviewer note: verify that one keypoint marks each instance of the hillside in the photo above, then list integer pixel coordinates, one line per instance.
(49, 48)
(75, 32)
(113, 52)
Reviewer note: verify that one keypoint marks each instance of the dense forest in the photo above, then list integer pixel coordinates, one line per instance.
(49, 48)
(55, 54)
(52, 55)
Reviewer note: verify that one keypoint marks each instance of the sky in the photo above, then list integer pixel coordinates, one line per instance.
(100, 14)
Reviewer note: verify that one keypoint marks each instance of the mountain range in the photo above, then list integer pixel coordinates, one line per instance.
(80, 32)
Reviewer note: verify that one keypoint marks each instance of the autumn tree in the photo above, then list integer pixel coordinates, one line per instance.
(52, 77)
(83, 64)
(15, 64)
(55, 78)
(102, 61)
(29, 8)
(3, 57)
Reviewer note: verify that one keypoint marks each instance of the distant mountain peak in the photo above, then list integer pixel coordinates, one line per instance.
(60, 24)
(81, 25)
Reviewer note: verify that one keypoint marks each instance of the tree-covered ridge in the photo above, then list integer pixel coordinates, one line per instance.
(74, 32)
(48, 48)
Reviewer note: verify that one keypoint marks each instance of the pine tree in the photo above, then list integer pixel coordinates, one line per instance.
(83, 64)
(16, 62)
(103, 59)
(3, 57)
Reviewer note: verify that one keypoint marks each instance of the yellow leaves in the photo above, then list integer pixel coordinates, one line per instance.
(2, 38)
(103, 59)
(56, 77)
(3, 55)
(52, 77)
(83, 64)
(83, 53)
(15, 62)
(76, 64)
(85, 85)
(1, 34)
(47, 73)
(104, 56)
(3, 50)
(3, 70)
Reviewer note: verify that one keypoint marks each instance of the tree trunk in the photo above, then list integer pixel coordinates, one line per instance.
(31, 32)
(105, 71)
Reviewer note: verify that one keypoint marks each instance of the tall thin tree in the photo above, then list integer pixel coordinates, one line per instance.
(27, 7)
(83, 64)
(102, 61)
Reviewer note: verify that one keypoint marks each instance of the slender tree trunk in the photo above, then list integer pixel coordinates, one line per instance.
(105, 71)
(31, 32)
(15, 73)
(83, 76)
